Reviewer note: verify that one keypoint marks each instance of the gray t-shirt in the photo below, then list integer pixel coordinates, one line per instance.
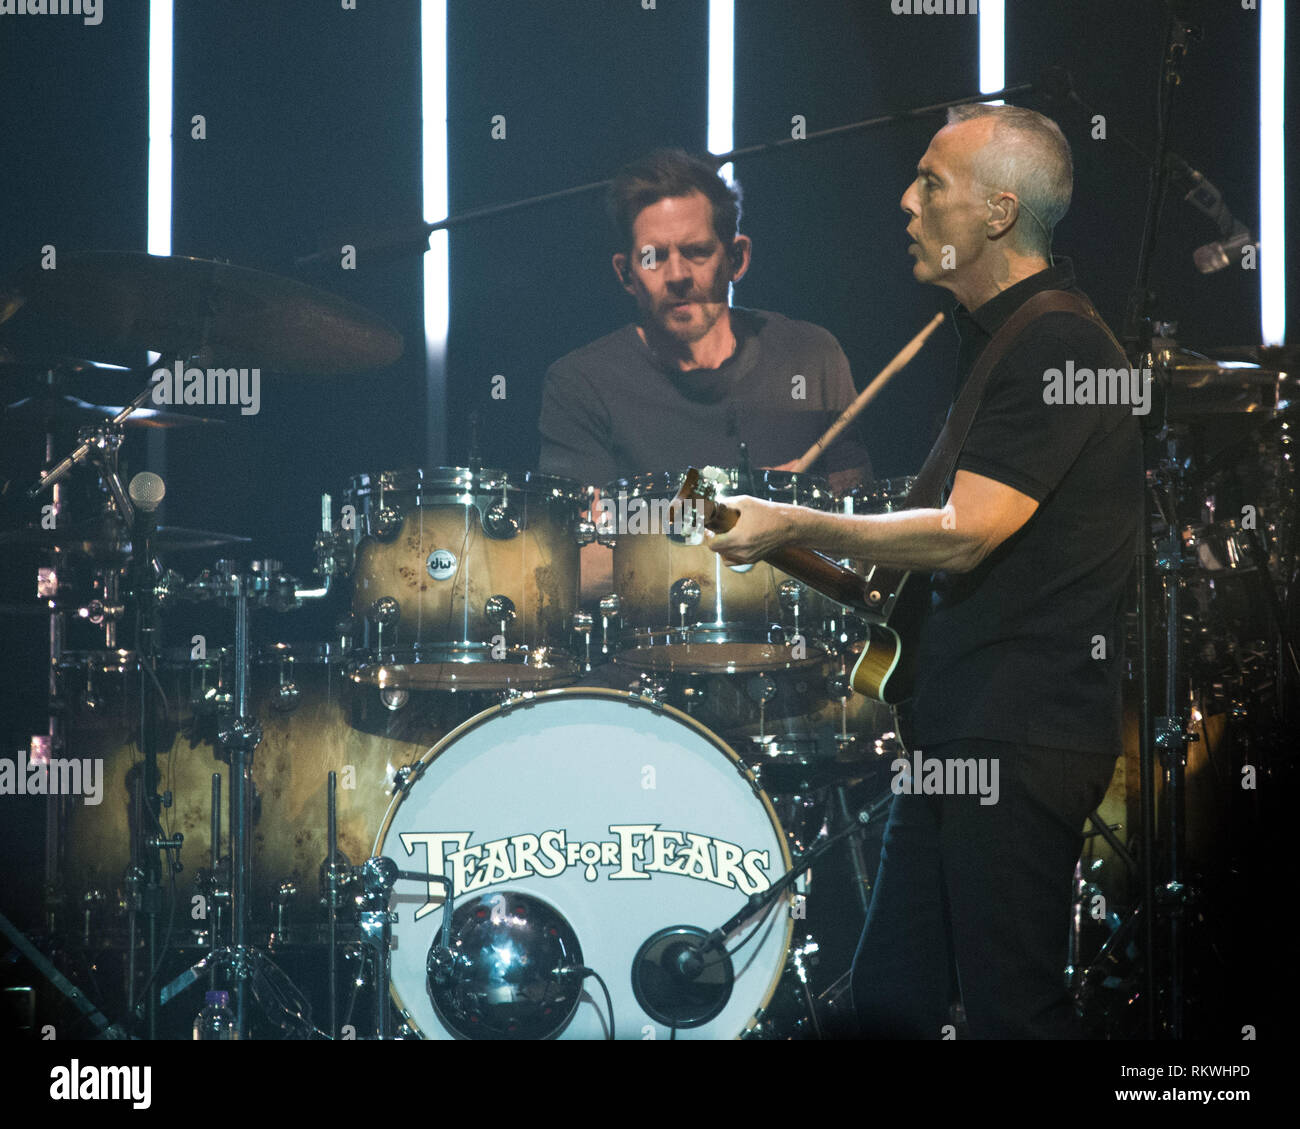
(612, 409)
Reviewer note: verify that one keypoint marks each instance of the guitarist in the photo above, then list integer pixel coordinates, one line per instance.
(1018, 664)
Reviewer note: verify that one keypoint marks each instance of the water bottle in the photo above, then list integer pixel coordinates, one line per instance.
(216, 1020)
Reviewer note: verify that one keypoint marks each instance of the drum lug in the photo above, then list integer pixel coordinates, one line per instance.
(647, 692)
(387, 523)
(512, 697)
(406, 776)
(501, 522)
(684, 596)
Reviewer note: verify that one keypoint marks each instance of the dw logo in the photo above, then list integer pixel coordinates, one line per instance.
(441, 564)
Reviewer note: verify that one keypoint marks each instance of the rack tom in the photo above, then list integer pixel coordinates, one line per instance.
(463, 579)
(684, 609)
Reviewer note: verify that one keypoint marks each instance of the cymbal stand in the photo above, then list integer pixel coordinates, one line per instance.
(1166, 734)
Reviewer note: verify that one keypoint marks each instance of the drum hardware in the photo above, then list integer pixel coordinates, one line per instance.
(761, 689)
(582, 624)
(672, 976)
(793, 1012)
(501, 969)
(648, 691)
(684, 594)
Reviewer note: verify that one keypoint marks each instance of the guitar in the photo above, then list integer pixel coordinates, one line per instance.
(892, 608)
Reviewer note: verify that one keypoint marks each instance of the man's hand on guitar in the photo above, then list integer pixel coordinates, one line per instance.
(762, 528)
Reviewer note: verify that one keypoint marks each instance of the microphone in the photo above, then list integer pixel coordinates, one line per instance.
(1215, 256)
(147, 491)
(1206, 198)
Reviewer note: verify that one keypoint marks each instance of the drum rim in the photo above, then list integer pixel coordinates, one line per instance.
(647, 640)
(602, 693)
(665, 483)
(458, 482)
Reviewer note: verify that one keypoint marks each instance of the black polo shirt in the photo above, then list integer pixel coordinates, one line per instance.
(1028, 647)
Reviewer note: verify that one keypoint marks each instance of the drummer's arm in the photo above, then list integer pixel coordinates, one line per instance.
(980, 515)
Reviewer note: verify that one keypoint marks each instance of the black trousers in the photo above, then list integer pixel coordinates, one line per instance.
(984, 889)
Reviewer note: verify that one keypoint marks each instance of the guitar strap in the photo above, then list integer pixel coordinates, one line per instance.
(927, 491)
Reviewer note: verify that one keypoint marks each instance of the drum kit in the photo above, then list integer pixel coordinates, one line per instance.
(480, 792)
(477, 793)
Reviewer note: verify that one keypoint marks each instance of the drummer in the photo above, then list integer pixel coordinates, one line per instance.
(693, 377)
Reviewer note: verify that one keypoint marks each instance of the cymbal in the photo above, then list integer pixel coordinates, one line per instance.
(1201, 386)
(100, 539)
(48, 408)
(231, 316)
(49, 370)
(1271, 356)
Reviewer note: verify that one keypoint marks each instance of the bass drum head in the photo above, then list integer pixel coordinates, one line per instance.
(624, 819)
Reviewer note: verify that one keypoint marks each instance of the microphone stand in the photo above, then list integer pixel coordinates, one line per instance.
(415, 238)
(682, 950)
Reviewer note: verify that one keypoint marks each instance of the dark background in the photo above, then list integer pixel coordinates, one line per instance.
(313, 133)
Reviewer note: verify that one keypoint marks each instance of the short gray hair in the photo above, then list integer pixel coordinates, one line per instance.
(1028, 155)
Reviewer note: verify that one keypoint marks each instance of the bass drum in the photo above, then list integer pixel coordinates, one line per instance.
(614, 820)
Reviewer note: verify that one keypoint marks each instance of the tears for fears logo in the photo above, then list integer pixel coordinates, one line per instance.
(637, 851)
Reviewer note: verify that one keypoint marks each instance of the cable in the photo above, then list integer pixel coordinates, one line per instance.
(583, 971)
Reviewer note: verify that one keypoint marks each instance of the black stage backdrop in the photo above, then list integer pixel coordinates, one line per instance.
(313, 140)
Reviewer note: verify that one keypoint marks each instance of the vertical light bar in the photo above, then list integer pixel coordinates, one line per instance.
(993, 46)
(159, 224)
(436, 205)
(722, 80)
(158, 221)
(1272, 171)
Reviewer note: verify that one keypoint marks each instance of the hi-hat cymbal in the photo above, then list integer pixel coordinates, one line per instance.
(1203, 386)
(229, 315)
(48, 408)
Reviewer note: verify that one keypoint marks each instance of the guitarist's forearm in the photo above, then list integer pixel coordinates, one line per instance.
(913, 540)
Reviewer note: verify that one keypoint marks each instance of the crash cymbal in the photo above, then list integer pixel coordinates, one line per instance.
(101, 540)
(224, 314)
(48, 408)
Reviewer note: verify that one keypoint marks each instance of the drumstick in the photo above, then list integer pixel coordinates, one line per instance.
(866, 396)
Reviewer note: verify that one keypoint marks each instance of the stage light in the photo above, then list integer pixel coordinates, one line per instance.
(720, 128)
(436, 205)
(1272, 171)
(993, 47)
(159, 223)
